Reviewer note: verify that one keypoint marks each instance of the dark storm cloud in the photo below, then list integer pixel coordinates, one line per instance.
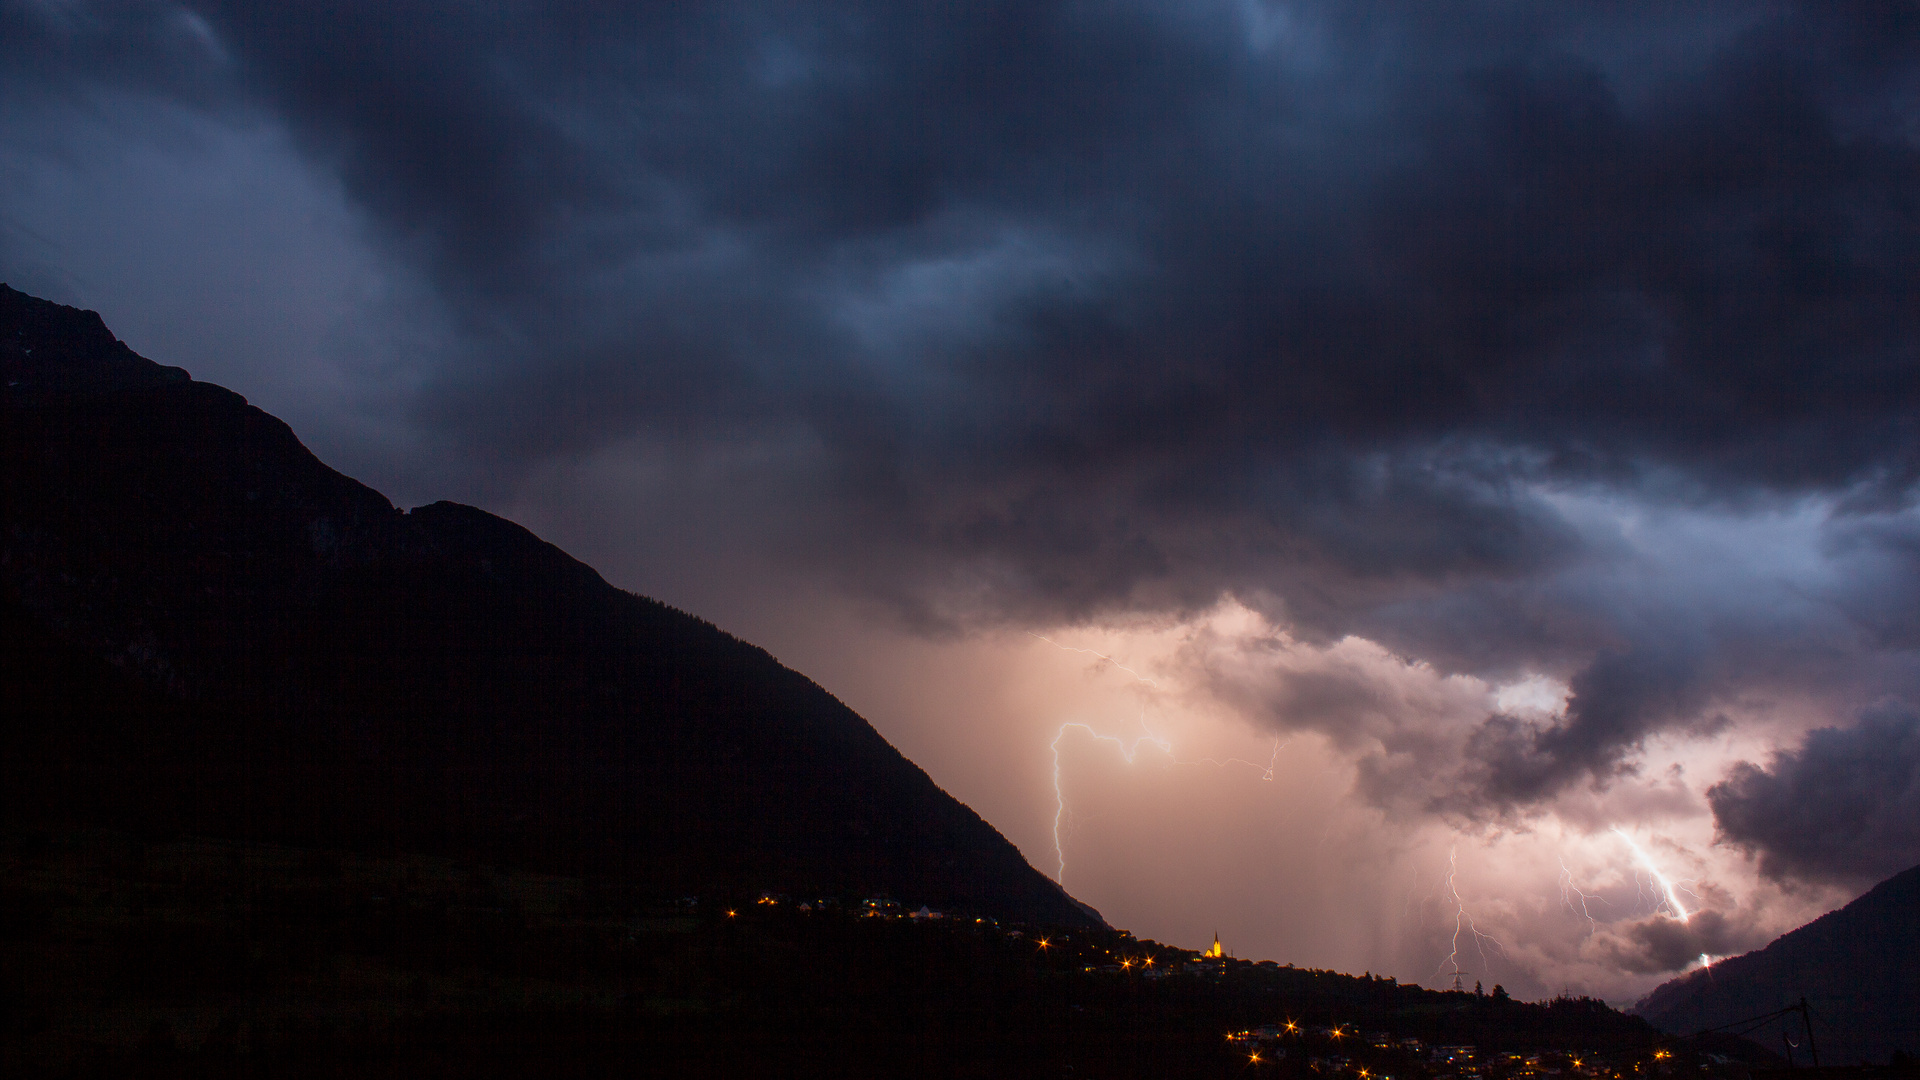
(1717, 273)
(1844, 806)
(1054, 308)
(1660, 943)
(1618, 700)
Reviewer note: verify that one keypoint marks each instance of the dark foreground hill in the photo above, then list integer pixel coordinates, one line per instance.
(205, 630)
(1858, 967)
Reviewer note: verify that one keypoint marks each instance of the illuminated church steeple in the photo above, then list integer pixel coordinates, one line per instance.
(1216, 952)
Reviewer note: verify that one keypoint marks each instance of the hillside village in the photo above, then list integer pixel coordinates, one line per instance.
(1337, 1049)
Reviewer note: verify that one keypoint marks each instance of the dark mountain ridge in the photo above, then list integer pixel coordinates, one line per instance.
(208, 630)
(1858, 967)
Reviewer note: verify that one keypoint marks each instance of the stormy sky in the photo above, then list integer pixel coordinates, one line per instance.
(1396, 483)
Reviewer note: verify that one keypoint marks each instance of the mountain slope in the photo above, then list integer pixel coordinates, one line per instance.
(1858, 967)
(208, 629)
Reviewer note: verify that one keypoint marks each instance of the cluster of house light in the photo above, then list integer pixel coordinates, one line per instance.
(1260, 1043)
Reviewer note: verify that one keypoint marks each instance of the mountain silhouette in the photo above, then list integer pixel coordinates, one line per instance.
(206, 630)
(1858, 967)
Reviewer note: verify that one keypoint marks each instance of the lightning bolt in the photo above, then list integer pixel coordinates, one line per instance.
(1568, 890)
(1063, 812)
(1266, 771)
(1128, 750)
(1663, 885)
(1101, 655)
(1463, 920)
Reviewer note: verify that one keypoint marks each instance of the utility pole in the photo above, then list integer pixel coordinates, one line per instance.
(1806, 1020)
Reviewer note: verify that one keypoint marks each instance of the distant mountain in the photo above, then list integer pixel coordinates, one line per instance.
(1858, 967)
(204, 629)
